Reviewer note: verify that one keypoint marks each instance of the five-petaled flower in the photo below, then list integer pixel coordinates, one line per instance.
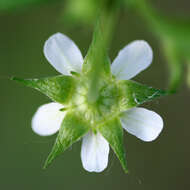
(64, 56)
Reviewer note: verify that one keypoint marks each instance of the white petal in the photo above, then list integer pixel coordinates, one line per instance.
(143, 123)
(94, 152)
(63, 54)
(131, 60)
(47, 119)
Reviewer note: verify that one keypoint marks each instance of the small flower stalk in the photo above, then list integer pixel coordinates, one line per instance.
(94, 100)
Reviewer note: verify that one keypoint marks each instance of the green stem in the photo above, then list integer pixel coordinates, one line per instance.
(97, 54)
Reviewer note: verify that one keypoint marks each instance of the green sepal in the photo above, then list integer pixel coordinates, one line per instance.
(89, 62)
(135, 94)
(72, 129)
(113, 133)
(97, 61)
(58, 88)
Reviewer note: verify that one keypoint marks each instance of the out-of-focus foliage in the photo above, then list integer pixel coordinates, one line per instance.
(174, 36)
(188, 74)
(6, 5)
(82, 11)
(85, 11)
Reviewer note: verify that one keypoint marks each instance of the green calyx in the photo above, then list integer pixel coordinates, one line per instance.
(102, 115)
(106, 104)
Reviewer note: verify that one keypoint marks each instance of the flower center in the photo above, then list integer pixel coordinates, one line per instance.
(106, 106)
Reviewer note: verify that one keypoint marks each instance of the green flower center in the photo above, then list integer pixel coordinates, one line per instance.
(106, 106)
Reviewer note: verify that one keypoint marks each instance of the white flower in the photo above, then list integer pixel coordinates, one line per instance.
(64, 56)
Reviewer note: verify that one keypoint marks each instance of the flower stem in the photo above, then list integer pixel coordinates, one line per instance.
(97, 54)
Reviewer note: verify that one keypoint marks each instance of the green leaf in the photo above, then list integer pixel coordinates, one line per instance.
(135, 94)
(58, 88)
(72, 129)
(113, 133)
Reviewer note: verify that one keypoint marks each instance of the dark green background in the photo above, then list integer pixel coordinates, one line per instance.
(162, 164)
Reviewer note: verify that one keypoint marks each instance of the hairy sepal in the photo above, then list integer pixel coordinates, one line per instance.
(58, 88)
(73, 128)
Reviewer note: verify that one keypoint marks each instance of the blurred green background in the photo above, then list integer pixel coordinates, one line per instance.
(162, 164)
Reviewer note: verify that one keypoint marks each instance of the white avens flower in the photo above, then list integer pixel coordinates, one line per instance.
(64, 56)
